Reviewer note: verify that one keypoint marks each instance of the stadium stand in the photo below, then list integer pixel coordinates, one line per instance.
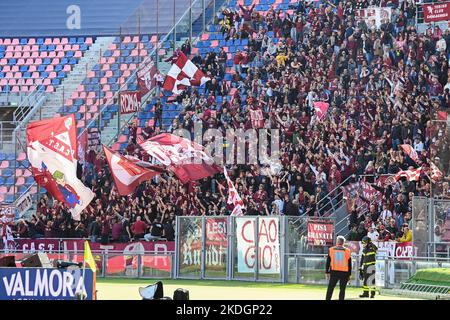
(280, 56)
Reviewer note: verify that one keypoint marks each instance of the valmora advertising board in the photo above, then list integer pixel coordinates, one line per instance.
(268, 245)
(44, 284)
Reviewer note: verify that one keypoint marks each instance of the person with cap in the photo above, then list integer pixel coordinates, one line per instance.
(338, 268)
(367, 267)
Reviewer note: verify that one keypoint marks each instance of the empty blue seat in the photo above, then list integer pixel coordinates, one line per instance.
(26, 75)
(83, 47)
(58, 67)
(23, 68)
(72, 61)
(46, 61)
(2, 75)
(51, 47)
(61, 74)
(114, 66)
(80, 40)
(23, 41)
(12, 61)
(7, 172)
(69, 54)
(72, 40)
(44, 74)
(96, 67)
(107, 54)
(56, 82)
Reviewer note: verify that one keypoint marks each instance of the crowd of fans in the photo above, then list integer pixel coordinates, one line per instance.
(384, 87)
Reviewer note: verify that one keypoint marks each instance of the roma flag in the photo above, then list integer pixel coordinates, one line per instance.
(88, 257)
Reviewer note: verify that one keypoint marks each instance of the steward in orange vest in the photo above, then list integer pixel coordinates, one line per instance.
(338, 268)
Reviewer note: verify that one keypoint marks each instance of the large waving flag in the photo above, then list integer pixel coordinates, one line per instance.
(233, 196)
(128, 173)
(182, 74)
(185, 158)
(52, 152)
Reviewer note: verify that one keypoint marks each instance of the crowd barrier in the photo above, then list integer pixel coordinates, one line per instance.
(262, 248)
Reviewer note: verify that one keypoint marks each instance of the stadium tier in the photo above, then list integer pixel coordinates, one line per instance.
(28, 63)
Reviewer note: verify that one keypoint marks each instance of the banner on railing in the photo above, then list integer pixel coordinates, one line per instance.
(374, 17)
(130, 101)
(268, 245)
(45, 284)
(216, 242)
(386, 249)
(320, 233)
(436, 12)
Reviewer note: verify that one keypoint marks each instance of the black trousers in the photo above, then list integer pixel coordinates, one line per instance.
(342, 277)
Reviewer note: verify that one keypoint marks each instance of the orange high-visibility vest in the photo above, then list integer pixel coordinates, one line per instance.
(339, 257)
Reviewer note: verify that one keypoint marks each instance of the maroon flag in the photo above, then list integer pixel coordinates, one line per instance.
(127, 173)
(130, 101)
(182, 74)
(52, 151)
(186, 159)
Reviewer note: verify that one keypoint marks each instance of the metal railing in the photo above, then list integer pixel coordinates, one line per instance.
(6, 132)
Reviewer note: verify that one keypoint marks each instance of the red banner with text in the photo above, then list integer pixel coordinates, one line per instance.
(436, 12)
(320, 233)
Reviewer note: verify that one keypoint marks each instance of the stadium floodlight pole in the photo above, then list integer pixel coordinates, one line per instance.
(204, 16)
(174, 26)
(157, 39)
(190, 21)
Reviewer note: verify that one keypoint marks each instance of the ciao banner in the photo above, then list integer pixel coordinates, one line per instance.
(320, 233)
(268, 245)
(130, 101)
(45, 284)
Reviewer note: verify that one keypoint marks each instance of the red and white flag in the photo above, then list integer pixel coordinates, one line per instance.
(410, 175)
(53, 153)
(321, 109)
(436, 174)
(410, 152)
(185, 158)
(233, 196)
(127, 173)
(182, 74)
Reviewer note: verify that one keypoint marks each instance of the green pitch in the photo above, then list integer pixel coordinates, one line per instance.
(127, 289)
